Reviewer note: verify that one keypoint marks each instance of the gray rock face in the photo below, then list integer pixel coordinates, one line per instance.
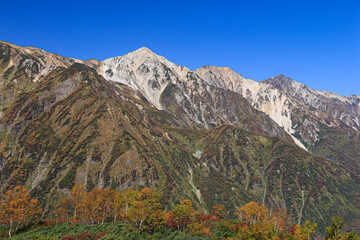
(285, 100)
(344, 108)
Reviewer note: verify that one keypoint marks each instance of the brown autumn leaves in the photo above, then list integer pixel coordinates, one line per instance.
(143, 211)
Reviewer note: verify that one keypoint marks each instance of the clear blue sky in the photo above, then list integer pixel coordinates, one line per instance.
(313, 42)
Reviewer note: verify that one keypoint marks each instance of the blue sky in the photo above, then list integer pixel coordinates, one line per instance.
(313, 42)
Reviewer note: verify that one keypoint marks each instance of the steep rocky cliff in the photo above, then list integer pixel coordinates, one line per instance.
(345, 108)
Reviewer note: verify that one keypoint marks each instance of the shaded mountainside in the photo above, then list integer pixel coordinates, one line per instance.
(206, 143)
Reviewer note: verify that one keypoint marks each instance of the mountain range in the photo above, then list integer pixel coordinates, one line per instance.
(208, 135)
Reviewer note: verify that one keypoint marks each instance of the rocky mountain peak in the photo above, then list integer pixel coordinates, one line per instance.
(144, 71)
(144, 50)
(282, 77)
(216, 69)
(142, 54)
(345, 108)
(261, 96)
(286, 84)
(223, 77)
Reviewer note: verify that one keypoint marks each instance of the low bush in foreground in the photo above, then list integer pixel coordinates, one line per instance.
(68, 231)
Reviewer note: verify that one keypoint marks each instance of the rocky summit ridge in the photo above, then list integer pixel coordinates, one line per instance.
(208, 135)
(345, 108)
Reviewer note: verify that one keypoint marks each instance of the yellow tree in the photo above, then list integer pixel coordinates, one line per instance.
(119, 205)
(304, 232)
(153, 209)
(17, 206)
(99, 205)
(181, 215)
(258, 219)
(64, 208)
(77, 197)
(144, 209)
(92, 206)
(252, 213)
(136, 214)
(88, 207)
(131, 196)
(107, 204)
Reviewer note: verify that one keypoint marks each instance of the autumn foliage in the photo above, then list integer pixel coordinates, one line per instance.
(97, 206)
(17, 206)
(142, 211)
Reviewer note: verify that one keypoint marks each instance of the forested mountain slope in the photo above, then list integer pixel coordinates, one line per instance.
(149, 122)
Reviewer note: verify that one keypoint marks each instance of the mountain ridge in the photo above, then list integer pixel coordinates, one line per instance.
(349, 106)
(146, 49)
(207, 136)
(278, 105)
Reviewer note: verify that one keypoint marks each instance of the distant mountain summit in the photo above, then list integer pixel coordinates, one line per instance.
(345, 108)
(208, 135)
(143, 70)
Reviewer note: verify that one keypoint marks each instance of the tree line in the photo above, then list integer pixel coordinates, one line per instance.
(143, 211)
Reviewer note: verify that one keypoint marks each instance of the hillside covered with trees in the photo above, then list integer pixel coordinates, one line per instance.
(109, 214)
